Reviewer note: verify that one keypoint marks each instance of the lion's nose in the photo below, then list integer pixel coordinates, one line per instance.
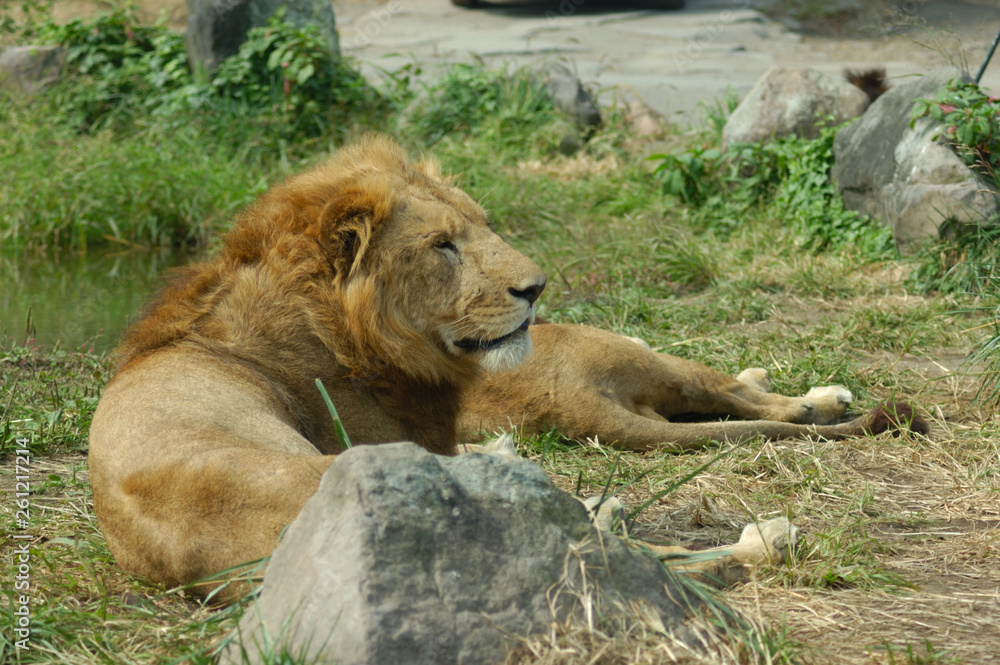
(530, 292)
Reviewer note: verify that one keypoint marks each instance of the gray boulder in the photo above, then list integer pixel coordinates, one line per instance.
(908, 177)
(790, 100)
(407, 557)
(27, 70)
(217, 28)
(568, 94)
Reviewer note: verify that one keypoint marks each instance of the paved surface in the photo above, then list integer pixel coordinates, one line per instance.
(670, 59)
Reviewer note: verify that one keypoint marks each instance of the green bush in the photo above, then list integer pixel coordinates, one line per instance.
(471, 98)
(147, 188)
(119, 68)
(971, 120)
(789, 178)
(290, 72)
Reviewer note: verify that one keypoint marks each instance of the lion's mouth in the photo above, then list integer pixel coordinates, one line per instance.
(487, 345)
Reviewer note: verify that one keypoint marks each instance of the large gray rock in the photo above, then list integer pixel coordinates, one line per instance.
(410, 558)
(26, 70)
(790, 100)
(908, 177)
(216, 28)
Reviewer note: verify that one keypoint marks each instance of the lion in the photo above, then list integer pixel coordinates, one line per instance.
(376, 276)
(368, 273)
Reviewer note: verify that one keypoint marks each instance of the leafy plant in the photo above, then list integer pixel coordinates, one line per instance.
(971, 119)
(469, 95)
(687, 174)
(118, 66)
(790, 177)
(290, 71)
(21, 21)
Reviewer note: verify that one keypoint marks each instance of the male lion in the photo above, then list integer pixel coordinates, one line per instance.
(368, 273)
(379, 278)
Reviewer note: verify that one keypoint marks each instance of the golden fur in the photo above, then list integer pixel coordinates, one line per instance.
(368, 272)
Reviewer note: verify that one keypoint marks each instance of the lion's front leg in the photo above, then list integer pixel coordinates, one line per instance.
(502, 445)
(761, 542)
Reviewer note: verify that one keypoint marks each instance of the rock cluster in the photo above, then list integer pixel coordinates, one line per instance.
(908, 176)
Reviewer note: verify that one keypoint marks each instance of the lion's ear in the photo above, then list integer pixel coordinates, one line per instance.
(346, 226)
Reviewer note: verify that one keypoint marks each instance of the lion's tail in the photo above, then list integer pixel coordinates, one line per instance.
(894, 417)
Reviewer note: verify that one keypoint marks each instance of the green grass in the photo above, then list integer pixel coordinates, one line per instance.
(725, 276)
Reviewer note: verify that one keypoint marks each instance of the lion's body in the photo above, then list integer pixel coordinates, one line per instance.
(586, 382)
(377, 277)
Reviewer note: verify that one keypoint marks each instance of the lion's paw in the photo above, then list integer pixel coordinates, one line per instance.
(639, 341)
(828, 403)
(755, 377)
(605, 512)
(502, 445)
(767, 541)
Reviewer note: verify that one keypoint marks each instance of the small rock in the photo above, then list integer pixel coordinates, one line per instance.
(27, 70)
(569, 95)
(792, 100)
(407, 557)
(643, 120)
(570, 141)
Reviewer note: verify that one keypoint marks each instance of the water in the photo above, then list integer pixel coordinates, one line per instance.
(73, 299)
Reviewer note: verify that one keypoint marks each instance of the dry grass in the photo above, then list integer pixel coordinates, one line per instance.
(898, 563)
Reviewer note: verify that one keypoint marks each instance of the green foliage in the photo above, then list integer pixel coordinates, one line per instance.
(807, 196)
(967, 261)
(789, 178)
(687, 174)
(971, 118)
(47, 398)
(151, 187)
(987, 354)
(284, 81)
(21, 21)
(119, 67)
(471, 98)
(290, 71)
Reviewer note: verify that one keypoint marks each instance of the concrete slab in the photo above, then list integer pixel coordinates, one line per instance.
(672, 60)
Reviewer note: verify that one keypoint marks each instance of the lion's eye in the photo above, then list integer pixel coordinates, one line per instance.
(446, 245)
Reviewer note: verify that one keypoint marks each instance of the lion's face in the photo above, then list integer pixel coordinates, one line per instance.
(428, 274)
(467, 291)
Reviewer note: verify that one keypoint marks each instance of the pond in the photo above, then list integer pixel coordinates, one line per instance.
(73, 299)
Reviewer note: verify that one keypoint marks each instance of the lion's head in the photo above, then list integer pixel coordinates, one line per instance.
(391, 266)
